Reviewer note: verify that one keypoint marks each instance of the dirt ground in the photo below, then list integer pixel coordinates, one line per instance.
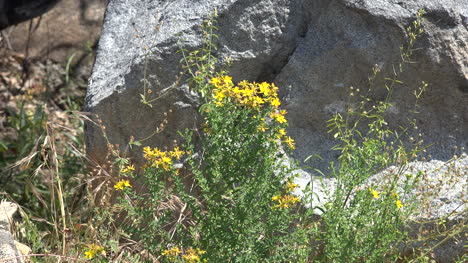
(47, 61)
(71, 26)
(51, 51)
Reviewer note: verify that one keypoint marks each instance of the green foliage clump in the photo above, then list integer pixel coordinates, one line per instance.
(231, 201)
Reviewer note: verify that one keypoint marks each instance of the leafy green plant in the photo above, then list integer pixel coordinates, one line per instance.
(42, 165)
(37, 163)
(232, 200)
(364, 220)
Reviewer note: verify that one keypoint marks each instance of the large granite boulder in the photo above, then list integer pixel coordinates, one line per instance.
(313, 50)
(342, 42)
(258, 35)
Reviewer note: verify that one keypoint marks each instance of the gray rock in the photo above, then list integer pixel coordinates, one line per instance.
(442, 188)
(440, 203)
(441, 191)
(342, 42)
(257, 35)
(313, 50)
(8, 250)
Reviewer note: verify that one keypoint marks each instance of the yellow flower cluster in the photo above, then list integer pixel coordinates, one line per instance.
(253, 95)
(375, 194)
(288, 199)
(193, 255)
(190, 256)
(285, 201)
(279, 116)
(162, 159)
(290, 186)
(172, 253)
(262, 127)
(398, 204)
(122, 184)
(94, 249)
(290, 142)
(128, 169)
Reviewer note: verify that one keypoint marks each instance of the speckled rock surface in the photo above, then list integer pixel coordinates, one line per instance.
(8, 250)
(441, 191)
(441, 198)
(255, 34)
(313, 50)
(342, 42)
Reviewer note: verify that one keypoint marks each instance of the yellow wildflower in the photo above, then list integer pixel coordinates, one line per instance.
(281, 133)
(151, 154)
(159, 158)
(285, 201)
(264, 88)
(147, 151)
(219, 95)
(258, 100)
(248, 92)
(237, 93)
(89, 254)
(399, 204)
(189, 258)
(279, 117)
(93, 249)
(128, 169)
(171, 253)
(237, 90)
(192, 255)
(244, 84)
(166, 159)
(216, 82)
(290, 186)
(374, 193)
(227, 80)
(253, 95)
(274, 89)
(262, 127)
(275, 103)
(176, 153)
(122, 184)
(290, 142)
